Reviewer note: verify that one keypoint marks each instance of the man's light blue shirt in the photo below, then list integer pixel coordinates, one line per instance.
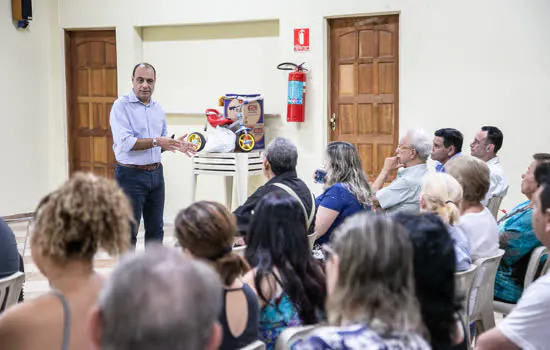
(403, 194)
(131, 120)
(440, 168)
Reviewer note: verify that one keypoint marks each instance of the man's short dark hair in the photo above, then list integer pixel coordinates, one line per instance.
(494, 136)
(282, 155)
(541, 157)
(146, 65)
(451, 137)
(542, 176)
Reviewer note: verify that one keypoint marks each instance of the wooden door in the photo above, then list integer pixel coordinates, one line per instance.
(364, 87)
(91, 90)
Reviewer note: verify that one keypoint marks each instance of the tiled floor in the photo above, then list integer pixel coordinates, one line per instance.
(36, 284)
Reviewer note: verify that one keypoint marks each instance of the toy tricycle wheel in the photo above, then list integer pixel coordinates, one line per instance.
(245, 142)
(197, 139)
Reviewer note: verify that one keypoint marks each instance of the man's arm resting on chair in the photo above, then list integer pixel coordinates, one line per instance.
(494, 339)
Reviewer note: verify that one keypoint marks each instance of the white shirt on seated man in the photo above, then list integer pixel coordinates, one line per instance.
(485, 146)
(526, 327)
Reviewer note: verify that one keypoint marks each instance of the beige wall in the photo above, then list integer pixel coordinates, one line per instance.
(31, 121)
(462, 64)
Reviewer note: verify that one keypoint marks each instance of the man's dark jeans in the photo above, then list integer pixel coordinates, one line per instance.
(145, 189)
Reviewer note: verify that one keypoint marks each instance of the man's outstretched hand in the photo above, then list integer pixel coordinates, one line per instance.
(186, 147)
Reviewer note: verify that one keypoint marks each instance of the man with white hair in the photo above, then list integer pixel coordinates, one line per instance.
(158, 300)
(403, 193)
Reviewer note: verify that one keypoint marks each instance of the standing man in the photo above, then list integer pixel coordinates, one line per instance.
(447, 145)
(138, 124)
(485, 146)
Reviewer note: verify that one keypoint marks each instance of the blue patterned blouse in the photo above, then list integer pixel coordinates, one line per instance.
(279, 314)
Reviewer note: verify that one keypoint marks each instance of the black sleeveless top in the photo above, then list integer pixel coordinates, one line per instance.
(250, 333)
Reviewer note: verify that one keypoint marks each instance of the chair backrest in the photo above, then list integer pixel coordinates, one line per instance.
(464, 280)
(312, 237)
(10, 288)
(485, 279)
(239, 250)
(257, 345)
(534, 265)
(291, 335)
(494, 202)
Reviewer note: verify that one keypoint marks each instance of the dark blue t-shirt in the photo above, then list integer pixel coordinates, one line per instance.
(339, 199)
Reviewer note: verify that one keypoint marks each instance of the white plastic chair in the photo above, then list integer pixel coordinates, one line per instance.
(494, 202)
(26, 217)
(257, 345)
(532, 269)
(484, 281)
(239, 250)
(10, 288)
(464, 281)
(291, 335)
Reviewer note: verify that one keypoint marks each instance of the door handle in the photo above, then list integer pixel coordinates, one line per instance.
(333, 122)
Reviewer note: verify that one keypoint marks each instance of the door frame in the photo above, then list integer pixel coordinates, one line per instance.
(70, 89)
(328, 67)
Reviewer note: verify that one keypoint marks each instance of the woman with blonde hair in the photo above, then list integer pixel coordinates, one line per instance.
(206, 230)
(371, 299)
(347, 190)
(71, 224)
(442, 194)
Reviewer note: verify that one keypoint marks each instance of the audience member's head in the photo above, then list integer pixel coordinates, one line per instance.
(442, 194)
(86, 213)
(414, 148)
(277, 240)
(207, 230)
(343, 164)
(487, 143)
(541, 207)
(473, 176)
(159, 300)
(434, 269)
(280, 157)
(370, 275)
(447, 142)
(528, 183)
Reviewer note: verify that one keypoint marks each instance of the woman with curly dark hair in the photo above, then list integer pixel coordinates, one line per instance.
(72, 223)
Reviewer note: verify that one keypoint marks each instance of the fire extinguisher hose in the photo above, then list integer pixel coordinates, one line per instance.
(291, 66)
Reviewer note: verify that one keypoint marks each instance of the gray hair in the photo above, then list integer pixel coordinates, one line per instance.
(422, 142)
(282, 155)
(159, 300)
(376, 255)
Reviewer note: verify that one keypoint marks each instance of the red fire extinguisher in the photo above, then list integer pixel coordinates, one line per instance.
(296, 104)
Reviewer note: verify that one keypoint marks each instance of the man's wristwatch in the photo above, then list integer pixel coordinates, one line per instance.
(155, 143)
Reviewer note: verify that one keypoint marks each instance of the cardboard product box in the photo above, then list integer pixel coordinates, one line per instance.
(252, 109)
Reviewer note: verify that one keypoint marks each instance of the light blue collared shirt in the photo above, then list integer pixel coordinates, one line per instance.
(440, 168)
(403, 194)
(131, 120)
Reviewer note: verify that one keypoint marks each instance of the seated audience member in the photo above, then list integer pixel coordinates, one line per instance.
(371, 302)
(518, 239)
(206, 230)
(347, 189)
(442, 195)
(476, 221)
(72, 223)
(10, 259)
(526, 327)
(280, 160)
(403, 194)
(9, 255)
(485, 146)
(289, 282)
(447, 145)
(434, 275)
(158, 300)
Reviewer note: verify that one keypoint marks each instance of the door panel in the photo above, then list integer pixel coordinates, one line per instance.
(92, 89)
(364, 87)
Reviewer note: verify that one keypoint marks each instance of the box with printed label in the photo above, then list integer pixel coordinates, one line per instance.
(251, 109)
